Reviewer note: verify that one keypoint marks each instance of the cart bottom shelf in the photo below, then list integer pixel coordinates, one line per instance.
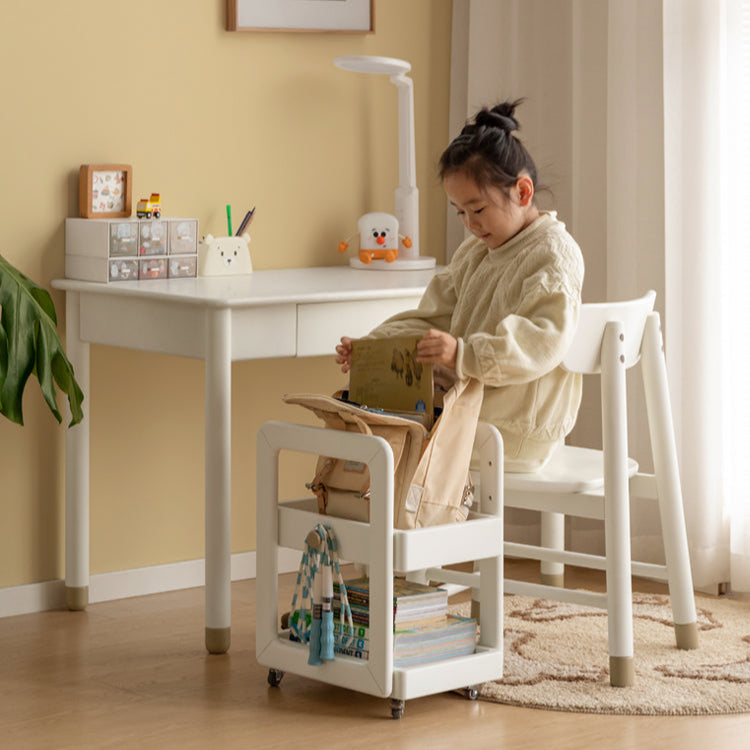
(414, 681)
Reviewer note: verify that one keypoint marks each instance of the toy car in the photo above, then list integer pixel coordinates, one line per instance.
(149, 209)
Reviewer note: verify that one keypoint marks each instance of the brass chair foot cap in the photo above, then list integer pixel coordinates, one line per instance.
(686, 635)
(621, 671)
(475, 610)
(553, 579)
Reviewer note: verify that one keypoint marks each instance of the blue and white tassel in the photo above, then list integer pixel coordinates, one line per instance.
(314, 593)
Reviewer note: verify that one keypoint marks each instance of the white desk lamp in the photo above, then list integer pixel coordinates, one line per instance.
(407, 195)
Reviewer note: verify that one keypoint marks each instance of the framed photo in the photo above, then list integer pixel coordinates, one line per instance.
(105, 191)
(352, 16)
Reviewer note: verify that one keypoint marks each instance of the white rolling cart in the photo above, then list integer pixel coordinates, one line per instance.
(286, 523)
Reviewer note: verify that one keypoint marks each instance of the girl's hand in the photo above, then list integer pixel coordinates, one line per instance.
(438, 347)
(344, 353)
(443, 377)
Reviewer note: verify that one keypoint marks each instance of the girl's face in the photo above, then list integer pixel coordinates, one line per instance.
(488, 213)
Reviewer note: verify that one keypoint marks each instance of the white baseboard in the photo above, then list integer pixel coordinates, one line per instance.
(33, 597)
(122, 584)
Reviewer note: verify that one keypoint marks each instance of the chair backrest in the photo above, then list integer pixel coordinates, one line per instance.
(584, 354)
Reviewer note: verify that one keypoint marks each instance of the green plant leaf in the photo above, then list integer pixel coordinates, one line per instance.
(30, 344)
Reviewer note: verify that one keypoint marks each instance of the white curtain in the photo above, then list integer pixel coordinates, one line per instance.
(636, 105)
(693, 211)
(706, 251)
(735, 278)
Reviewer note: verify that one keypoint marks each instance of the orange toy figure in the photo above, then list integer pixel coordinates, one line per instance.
(378, 238)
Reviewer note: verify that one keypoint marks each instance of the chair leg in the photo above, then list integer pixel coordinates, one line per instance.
(616, 508)
(668, 486)
(418, 576)
(553, 537)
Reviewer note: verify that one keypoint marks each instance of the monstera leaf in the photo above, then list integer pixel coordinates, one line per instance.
(30, 344)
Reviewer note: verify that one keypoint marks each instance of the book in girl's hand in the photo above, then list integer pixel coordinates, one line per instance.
(385, 375)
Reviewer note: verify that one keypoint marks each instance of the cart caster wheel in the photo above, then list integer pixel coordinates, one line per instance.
(397, 708)
(472, 692)
(274, 677)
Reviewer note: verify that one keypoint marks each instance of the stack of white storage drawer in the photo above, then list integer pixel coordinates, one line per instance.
(110, 250)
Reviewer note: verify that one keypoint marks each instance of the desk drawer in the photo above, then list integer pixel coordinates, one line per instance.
(157, 325)
(150, 325)
(320, 325)
(263, 332)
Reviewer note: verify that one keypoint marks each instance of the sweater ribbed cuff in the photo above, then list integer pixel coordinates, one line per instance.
(466, 364)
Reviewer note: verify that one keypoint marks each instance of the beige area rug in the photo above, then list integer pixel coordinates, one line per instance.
(556, 658)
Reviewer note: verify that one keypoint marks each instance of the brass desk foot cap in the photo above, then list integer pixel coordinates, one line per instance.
(218, 640)
(76, 597)
(621, 671)
(553, 579)
(686, 635)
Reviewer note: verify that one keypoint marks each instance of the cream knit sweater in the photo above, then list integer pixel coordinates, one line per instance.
(513, 310)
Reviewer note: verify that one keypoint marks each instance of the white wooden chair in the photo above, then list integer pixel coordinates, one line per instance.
(610, 338)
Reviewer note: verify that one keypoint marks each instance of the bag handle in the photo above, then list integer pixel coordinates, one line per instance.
(350, 418)
(318, 487)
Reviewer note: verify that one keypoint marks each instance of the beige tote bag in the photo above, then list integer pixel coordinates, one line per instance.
(431, 470)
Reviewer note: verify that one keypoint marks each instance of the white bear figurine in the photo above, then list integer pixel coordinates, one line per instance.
(224, 256)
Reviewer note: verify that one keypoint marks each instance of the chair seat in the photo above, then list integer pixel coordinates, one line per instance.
(570, 470)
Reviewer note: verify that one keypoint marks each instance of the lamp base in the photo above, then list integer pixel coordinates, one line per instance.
(420, 263)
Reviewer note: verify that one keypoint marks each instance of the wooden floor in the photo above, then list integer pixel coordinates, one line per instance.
(134, 674)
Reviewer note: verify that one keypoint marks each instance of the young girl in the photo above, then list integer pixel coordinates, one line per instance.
(505, 308)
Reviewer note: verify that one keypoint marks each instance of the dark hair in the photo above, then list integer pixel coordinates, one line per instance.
(487, 151)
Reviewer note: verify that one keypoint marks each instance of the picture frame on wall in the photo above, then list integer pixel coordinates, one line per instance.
(105, 191)
(345, 16)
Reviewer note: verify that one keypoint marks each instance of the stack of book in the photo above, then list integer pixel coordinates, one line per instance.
(423, 631)
(413, 603)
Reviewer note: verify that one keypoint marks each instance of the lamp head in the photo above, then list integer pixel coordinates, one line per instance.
(371, 64)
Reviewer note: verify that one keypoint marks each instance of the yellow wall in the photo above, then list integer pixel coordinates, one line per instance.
(206, 117)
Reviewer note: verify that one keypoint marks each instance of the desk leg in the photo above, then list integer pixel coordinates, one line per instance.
(218, 479)
(77, 467)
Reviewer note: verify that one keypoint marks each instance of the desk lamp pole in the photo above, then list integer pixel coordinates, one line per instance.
(407, 194)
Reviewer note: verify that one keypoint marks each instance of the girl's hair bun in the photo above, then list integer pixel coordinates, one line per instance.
(487, 150)
(501, 116)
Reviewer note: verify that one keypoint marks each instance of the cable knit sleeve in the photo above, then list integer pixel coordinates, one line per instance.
(532, 338)
(434, 310)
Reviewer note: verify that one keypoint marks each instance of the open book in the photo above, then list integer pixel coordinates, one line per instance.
(385, 375)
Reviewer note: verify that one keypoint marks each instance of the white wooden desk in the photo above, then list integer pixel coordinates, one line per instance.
(284, 313)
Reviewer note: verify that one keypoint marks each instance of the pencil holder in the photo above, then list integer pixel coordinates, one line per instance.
(224, 256)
